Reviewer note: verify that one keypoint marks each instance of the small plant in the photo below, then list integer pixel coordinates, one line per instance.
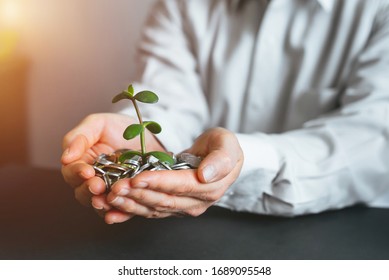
(134, 130)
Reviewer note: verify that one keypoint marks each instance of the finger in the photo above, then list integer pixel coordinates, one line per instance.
(91, 127)
(75, 149)
(224, 153)
(176, 182)
(99, 202)
(83, 195)
(96, 186)
(182, 183)
(82, 137)
(76, 173)
(148, 203)
(116, 199)
(116, 216)
(215, 166)
(131, 206)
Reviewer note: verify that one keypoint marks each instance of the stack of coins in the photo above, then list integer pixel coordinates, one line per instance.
(108, 167)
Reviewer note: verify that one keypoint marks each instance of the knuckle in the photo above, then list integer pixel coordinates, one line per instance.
(219, 193)
(210, 196)
(225, 158)
(195, 212)
(137, 194)
(91, 117)
(140, 195)
(188, 187)
(167, 204)
(213, 196)
(129, 206)
(66, 140)
(154, 214)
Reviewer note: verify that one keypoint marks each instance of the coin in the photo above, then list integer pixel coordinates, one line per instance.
(192, 160)
(108, 168)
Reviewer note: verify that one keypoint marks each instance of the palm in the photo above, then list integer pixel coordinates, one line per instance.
(109, 130)
(110, 137)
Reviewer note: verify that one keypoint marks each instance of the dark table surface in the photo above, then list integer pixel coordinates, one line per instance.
(41, 220)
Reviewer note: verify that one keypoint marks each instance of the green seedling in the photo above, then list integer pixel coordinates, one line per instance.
(139, 129)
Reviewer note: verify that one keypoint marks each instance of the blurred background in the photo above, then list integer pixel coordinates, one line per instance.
(60, 61)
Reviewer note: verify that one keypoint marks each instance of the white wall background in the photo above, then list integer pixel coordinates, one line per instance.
(80, 54)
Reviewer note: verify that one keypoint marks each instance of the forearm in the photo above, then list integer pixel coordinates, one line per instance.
(331, 163)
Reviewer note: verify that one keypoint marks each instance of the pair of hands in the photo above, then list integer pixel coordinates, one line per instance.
(151, 194)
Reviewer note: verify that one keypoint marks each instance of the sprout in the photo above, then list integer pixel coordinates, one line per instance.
(134, 130)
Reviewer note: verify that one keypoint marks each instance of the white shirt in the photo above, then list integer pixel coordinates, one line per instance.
(304, 84)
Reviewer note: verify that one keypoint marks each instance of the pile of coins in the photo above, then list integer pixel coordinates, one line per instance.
(108, 167)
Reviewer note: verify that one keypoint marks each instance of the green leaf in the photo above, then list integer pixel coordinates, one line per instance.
(146, 97)
(163, 157)
(152, 126)
(131, 90)
(132, 131)
(128, 155)
(120, 96)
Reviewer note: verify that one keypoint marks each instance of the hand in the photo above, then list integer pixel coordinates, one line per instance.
(159, 194)
(96, 134)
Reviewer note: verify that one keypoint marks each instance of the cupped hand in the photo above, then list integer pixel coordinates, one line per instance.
(96, 134)
(159, 194)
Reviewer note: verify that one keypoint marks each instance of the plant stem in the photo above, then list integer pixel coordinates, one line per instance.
(142, 134)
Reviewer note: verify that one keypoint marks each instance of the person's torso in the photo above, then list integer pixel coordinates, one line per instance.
(271, 67)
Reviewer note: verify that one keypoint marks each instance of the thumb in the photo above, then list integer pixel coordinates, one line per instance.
(223, 154)
(75, 149)
(77, 141)
(215, 166)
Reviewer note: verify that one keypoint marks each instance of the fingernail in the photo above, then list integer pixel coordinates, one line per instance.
(141, 185)
(93, 192)
(123, 192)
(209, 173)
(97, 207)
(117, 200)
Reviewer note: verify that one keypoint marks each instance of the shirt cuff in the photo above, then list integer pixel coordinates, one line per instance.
(259, 153)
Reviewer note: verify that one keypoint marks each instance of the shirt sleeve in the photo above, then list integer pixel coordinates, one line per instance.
(334, 161)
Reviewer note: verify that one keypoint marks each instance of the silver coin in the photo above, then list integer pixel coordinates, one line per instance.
(166, 166)
(128, 174)
(117, 167)
(144, 167)
(111, 170)
(107, 182)
(182, 165)
(113, 174)
(102, 159)
(99, 170)
(152, 159)
(157, 168)
(192, 160)
(132, 162)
